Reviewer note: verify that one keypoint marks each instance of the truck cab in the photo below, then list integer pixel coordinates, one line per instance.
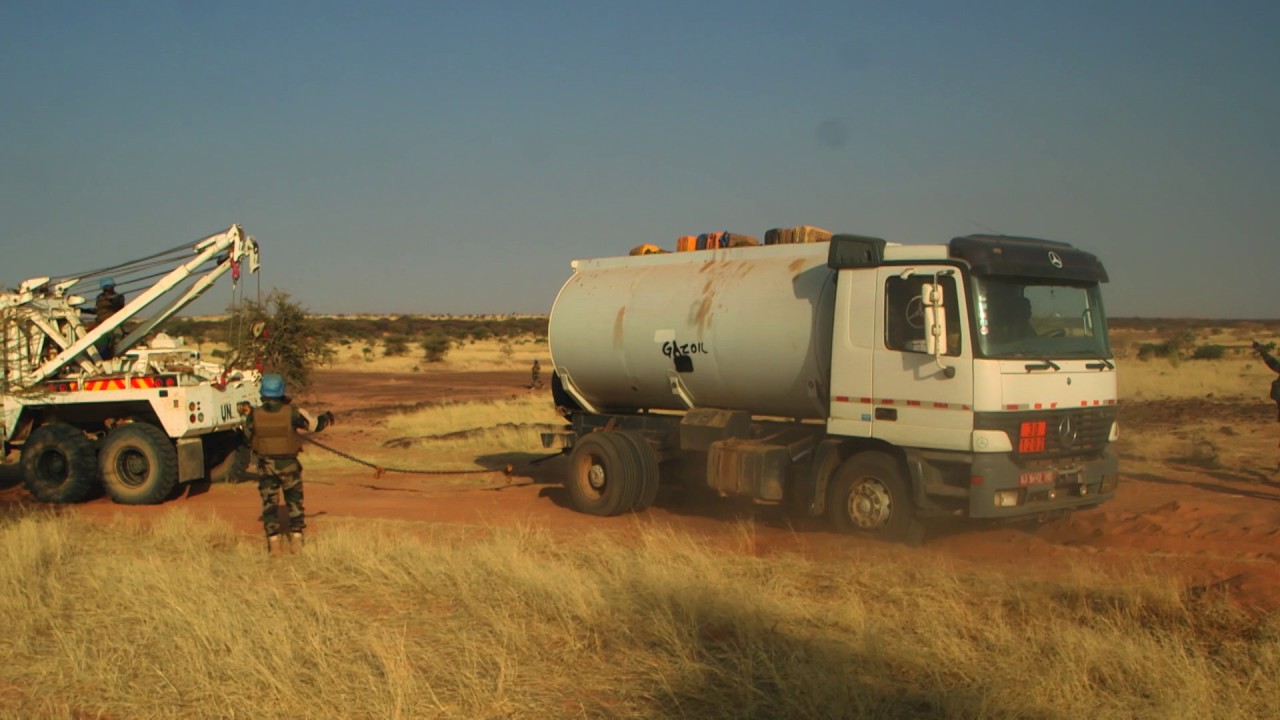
(1014, 406)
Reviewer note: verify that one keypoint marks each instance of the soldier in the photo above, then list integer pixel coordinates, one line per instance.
(1274, 364)
(536, 373)
(273, 434)
(108, 303)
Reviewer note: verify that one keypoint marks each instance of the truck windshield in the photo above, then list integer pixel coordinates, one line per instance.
(1039, 318)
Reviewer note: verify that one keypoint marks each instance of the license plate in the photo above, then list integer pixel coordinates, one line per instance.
(1043, 477)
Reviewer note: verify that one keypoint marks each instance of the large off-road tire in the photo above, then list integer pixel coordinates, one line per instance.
(227, 458)
(645, 462)
(139, 464)
(602, 479)
(870, 496)
(59, 464)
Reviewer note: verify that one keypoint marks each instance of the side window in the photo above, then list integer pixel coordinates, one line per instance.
(904, 313)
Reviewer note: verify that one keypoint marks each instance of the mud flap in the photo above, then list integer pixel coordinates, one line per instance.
(190, 459)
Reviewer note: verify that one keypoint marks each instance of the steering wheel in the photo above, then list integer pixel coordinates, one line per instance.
(915, 312)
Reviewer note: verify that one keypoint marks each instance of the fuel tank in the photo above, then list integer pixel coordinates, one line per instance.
(744, 328)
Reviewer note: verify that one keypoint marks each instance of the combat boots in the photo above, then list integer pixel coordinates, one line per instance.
(296, 542)
(275, 545)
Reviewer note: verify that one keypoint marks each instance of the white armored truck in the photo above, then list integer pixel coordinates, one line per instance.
(877, 383)
(116, 403)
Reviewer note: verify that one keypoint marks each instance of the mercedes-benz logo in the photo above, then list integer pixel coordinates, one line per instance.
(1055, 260)
(1067, 433)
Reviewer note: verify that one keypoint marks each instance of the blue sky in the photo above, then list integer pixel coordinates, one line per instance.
(427, 157)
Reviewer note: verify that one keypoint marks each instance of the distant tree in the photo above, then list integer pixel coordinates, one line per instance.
(395, 345)
(278, 335)
(435, 347)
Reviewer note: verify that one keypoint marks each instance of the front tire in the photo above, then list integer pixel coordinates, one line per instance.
(602, 479)
(59, 464)
(139, 464)
(871, 497)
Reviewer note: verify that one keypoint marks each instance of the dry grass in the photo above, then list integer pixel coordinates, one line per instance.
(181, 619)
(460, 418)
(517, 354)
(1234, 378)
(475, 435)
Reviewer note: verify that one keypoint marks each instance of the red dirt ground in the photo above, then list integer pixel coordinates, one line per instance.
(1211, 527)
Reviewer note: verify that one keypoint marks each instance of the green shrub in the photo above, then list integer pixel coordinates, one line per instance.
(1209, 352)
(435, 347)
(395, 346)
(1146, 351)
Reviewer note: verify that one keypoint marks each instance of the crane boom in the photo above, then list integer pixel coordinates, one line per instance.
(237, 247)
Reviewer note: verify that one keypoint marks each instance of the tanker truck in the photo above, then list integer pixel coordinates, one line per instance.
(878, 384)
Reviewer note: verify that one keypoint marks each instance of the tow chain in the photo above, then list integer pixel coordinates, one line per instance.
(379, 470)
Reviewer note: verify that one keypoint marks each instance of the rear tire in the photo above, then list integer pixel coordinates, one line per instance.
(646, 470)
(139, 464)
(59, 464)
(871, 497)
(602, 479)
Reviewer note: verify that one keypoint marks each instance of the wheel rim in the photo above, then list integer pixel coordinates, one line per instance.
(53, 466)
(595, 476)
(132, 467)
(870, 504)
(591, 476)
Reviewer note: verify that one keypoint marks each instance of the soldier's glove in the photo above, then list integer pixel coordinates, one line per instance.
(327, 416)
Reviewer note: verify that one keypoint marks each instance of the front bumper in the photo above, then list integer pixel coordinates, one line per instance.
(994, 486)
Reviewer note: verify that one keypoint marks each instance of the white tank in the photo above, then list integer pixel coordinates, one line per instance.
(740, 328)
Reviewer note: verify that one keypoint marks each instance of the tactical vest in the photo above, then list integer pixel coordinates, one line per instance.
(273, 433)
(107, 305)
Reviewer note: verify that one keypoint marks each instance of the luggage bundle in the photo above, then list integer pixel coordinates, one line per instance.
(646, 249)
(798, 234)
(714, 240)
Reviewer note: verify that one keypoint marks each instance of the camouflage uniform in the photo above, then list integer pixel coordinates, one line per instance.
(1274, 364)
(107, 304)
(536, 372)
(278, 468)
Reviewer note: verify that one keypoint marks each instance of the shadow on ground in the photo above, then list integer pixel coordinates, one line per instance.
(1215, 488)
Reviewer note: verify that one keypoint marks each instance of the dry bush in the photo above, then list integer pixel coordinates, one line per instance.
(182, 619)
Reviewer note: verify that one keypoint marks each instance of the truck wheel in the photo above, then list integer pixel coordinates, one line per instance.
(646, 469)
(226, 457)
(602, 475)
(233, 468)
(139, 464)
(870, 496)
(59, 464)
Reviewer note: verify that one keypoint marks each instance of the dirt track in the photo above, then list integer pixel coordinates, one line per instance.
(1212, 525)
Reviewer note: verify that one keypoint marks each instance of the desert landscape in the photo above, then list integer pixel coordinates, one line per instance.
(446, 576)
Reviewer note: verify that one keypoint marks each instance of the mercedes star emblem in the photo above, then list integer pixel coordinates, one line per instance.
(1067, 433)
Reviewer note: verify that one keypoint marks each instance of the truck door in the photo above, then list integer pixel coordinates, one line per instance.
(920, 399)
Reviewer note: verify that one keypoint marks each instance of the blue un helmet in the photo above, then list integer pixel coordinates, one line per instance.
(105, 283)
(272, 386)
